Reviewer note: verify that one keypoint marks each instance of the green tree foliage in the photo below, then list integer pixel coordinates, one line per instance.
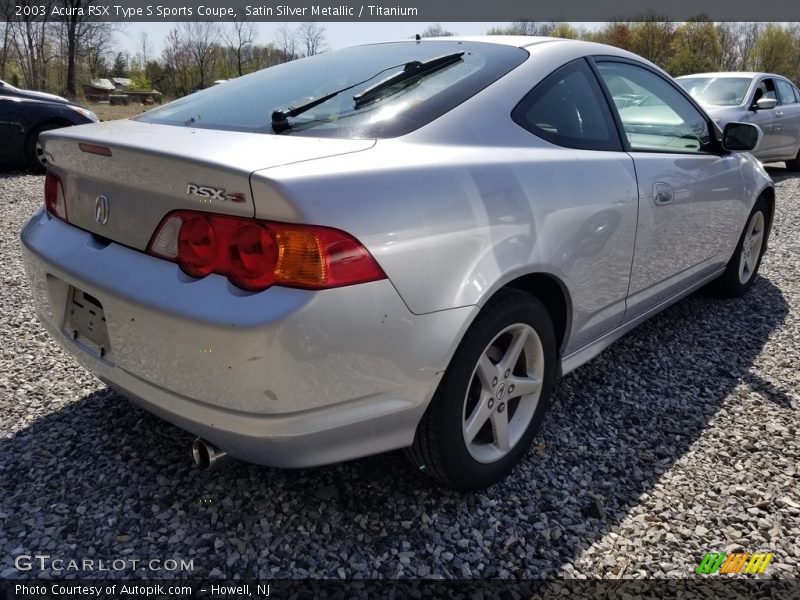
(565, 30)
(695, 48)
(652, 37)
(777, 50)
(615, 33)
(120, 66)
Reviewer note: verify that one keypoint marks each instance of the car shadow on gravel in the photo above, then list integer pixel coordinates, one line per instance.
(100, 478)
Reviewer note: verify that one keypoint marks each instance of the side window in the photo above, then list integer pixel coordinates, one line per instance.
(568, 108)
(785, 91)
(654, 114)
(765, 89)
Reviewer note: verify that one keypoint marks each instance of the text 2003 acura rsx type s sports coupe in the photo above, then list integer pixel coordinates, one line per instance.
(398, 245)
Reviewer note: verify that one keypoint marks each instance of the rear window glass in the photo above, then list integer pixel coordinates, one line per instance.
(247, 103)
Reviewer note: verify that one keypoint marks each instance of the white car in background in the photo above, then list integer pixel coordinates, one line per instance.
(770, 101)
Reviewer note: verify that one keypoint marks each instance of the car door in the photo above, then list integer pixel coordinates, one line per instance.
(582, 190)
(691, 197)
(766, 118)
(788, 112)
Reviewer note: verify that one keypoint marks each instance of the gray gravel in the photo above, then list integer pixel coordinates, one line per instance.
(680, 439)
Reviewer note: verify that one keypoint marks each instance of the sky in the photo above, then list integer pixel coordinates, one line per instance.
(338, 35)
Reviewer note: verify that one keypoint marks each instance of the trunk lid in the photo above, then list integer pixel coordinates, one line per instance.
(155, 169)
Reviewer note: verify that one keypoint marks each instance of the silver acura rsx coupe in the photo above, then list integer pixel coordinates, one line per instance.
(398, 245)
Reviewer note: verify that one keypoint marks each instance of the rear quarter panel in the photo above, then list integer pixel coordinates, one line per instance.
(463, 206)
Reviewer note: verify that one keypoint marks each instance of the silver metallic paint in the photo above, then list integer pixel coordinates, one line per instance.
(452, 212)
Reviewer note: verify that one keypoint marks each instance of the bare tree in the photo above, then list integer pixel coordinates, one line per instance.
(239, 39)
(436, 30)
(524, 27)
(200, 40)
(267, 56)
(748, 34)
(71, 30)
(30, 40)
(178, 62)
(5, 13)
(97, 46)
(72, 34)
(312, 38)
(286, 42)
(728, 38)
(145, 48)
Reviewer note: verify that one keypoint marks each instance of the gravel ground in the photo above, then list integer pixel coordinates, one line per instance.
(680, 439)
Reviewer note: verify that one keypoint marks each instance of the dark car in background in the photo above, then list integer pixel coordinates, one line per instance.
(24, 114)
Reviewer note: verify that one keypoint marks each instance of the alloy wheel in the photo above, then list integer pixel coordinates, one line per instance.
(503, 393)
(752, 244)
(40, 156)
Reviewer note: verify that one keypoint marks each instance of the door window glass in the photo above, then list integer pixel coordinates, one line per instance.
(654, 114)
(765, 89)
(785, 91)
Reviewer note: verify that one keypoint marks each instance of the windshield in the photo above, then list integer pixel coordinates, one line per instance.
(247, 103)
(718, 91)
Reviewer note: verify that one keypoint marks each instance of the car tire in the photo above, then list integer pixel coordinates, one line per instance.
(477, 397)
(794, 165)
(742, 268)
(33, 158)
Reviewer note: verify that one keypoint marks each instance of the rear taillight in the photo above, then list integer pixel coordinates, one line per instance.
(256, 254)
(54, 200)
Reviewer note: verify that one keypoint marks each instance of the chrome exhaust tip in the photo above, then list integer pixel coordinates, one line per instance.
(206, 455)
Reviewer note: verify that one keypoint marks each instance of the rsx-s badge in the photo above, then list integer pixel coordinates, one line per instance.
(208, 193)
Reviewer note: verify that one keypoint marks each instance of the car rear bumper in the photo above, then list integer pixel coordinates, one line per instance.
(283, 377)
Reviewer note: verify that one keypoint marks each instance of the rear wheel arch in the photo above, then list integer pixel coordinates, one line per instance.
(551, 292)
(768, 194)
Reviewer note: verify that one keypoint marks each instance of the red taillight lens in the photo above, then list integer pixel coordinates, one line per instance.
(252, 254)
(257, 254)
(54, 200)
(197, 246)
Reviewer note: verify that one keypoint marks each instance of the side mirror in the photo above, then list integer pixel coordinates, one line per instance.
(765, 104)
(741, 137)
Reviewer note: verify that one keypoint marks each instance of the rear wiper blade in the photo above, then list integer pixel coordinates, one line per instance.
(280, 118)
(411, 70)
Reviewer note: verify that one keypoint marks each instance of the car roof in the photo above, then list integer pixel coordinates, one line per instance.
(520, 41)
(528, 41)
(721, 74)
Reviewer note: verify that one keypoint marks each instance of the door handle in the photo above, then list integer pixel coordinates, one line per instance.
(662, 193)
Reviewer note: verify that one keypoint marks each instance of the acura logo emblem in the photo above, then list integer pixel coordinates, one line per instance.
(101, 210)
